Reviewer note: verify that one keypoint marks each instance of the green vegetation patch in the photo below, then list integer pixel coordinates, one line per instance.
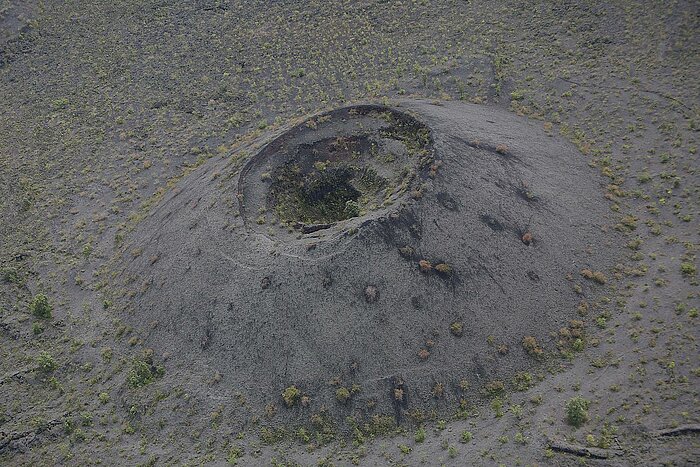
(40, 306)
(577, 411)
(327, 193)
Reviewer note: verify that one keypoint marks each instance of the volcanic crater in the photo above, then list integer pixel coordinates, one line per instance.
(366, 257)
(348, 164)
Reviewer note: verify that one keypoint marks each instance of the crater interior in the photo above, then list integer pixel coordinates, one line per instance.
(338, 166)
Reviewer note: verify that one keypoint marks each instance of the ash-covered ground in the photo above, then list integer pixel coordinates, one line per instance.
(206, 258)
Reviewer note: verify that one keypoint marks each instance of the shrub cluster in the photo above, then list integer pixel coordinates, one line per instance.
(40, 306)
(577, 411)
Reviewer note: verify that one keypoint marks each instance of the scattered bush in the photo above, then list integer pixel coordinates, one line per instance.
(457, 328)
(380, 425)
(45, 362)
(497, 406)
(688, 269)
(520, 438)
(466, 436)
(10, 275)
(444, 269)
(86, 418)
(590, 440)
(270, 435)
(523, 381)
(517, 410)
(234, 455)
(425, 266)
(291, 395)
(106, 354)
(438, 390)
(323, 427)
(577, 411)
(531, 346)
(142, 373)
(420, 435)
(517, 95)
(627, 224)
(342, 395)
(494, 388)
(595, 276)
(502, 149)
(303, 435)
(40, 306)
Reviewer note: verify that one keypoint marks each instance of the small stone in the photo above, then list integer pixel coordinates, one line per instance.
(371, 294)
(327, 281)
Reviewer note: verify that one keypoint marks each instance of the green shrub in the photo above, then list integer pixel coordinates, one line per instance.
(466, 436)
(517, 95)
(420, 435)
(342, 394)
(452, 451)
(595, 276)
(688, 269)
(291, 395)
(40, 306)
(86, 418)
(523, 381)
(270, 435)
(497, 406)
(494, 388)
(379, 425)
(577, 411)
(45, 362)
(532, 347)
(10, 275)
(140, 374)
(234, 455)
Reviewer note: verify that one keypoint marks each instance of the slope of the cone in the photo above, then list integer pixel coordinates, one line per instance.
(375, 247)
